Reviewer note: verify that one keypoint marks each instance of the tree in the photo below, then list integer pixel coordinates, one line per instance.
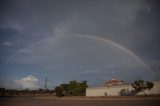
(141, 85)
(149, 85)
(59, 91)
(73, 88)
(124, 92)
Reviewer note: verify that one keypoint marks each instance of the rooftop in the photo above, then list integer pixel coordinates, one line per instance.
(113, 82)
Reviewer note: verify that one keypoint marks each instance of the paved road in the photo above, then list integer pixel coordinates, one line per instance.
(30, 101)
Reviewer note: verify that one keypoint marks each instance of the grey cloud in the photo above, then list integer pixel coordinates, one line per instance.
(68, 56)
(7, 44)
(132, 24)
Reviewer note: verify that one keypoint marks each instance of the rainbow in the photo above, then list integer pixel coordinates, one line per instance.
(113, 44)
(99, 39)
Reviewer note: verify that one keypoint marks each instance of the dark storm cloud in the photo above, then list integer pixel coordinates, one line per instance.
(132, 24)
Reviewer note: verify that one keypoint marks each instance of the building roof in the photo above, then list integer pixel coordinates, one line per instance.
(113, 82)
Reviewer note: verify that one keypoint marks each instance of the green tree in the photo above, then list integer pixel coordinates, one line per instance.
(59, 91)
(141, 85)
(149, 85)
(74, 88)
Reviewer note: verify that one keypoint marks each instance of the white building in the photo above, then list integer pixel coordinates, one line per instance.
(115, 88)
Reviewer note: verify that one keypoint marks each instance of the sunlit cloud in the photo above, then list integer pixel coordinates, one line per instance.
(29, 82)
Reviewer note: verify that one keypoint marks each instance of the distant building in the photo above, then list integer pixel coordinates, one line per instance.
(118, 87)
(113, 82)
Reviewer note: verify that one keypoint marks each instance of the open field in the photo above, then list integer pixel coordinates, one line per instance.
(78, 101)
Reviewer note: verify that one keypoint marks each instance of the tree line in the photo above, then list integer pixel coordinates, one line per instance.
(14, 92)
(139, 86)
(73, 88)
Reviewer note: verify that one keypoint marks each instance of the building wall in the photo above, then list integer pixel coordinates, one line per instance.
(115, 90)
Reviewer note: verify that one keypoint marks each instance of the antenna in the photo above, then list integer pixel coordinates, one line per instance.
(113, 75)
(45, 84)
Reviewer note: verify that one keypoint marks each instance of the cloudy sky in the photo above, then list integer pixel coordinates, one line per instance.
(93, 40)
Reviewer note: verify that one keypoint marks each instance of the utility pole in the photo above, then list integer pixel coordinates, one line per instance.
(45, 84)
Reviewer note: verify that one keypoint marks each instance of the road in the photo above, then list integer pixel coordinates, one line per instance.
(31, 101)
